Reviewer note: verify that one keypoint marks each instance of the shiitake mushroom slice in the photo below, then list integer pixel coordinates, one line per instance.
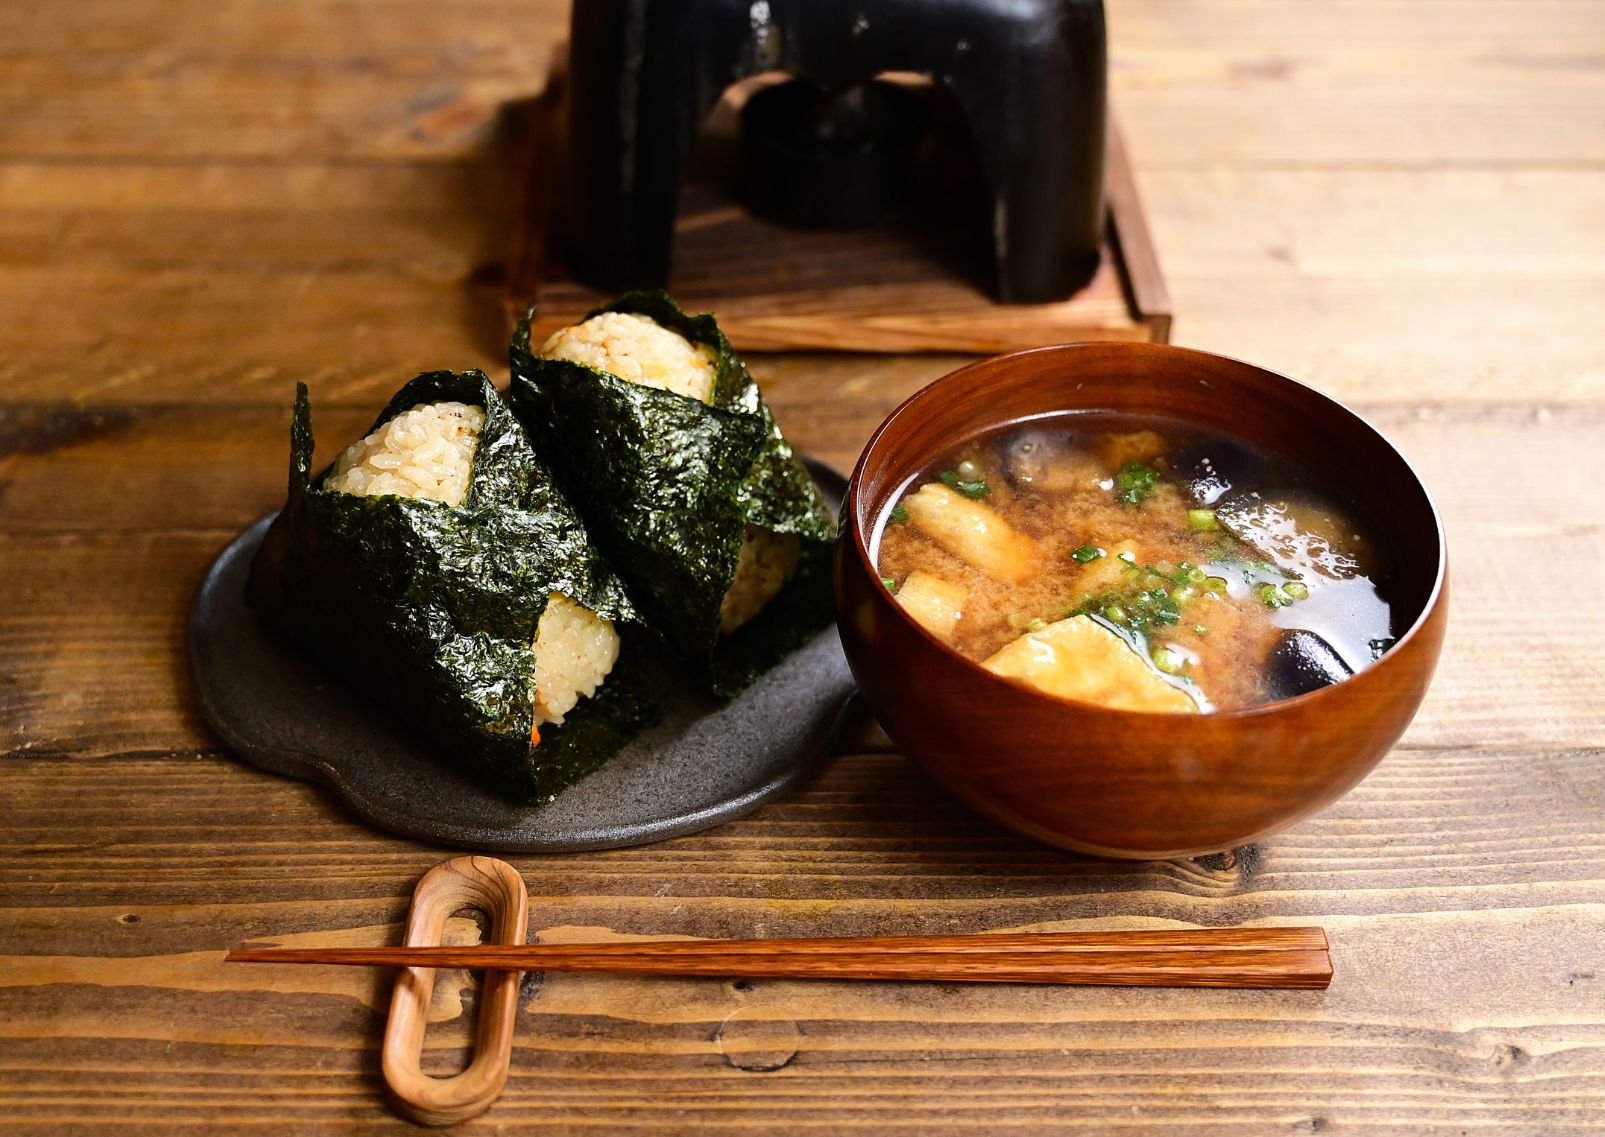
(1302, 662)
(1210, 469)
(1045, 460)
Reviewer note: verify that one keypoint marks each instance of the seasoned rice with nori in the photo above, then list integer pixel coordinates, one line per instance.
(684, 479)
(641, 350)
(438, 568)
(428, 452)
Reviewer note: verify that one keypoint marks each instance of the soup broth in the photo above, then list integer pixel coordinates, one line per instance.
(1138, 563)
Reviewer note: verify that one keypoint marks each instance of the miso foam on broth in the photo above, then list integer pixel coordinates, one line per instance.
(1137, 562)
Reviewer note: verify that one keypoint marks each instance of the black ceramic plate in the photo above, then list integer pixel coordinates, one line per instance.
(706, 762)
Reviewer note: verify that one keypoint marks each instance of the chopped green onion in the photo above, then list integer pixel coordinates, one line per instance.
(899, 515)
(1202, 520)
(1296, 590)
(1170, 661)
(1135, 483)
(1086, 554)
(1149, 597)
(973, 488)
(1272, 596)
(1194, 575)
(1128, 556)
(890, 582)
(1216, 584)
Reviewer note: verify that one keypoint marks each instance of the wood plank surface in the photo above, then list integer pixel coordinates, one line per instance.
(229, 283)
(1397, 201)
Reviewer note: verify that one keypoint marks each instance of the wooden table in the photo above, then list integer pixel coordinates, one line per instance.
(202, 203)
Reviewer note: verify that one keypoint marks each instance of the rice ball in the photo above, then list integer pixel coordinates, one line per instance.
(426, 452)
(640, 350)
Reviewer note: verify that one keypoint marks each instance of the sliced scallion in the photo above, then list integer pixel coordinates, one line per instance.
(1271, 595)
(1135, 482)
(1168, 660)
(971, 488)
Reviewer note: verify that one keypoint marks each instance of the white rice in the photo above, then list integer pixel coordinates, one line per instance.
(428, 452)
(639, 349)
(768, 561)
(574, 651)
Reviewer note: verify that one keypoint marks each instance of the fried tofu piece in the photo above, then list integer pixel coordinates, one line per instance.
(1132, 446)
(1077, 658)
(1108, 571)
(935, 604)
(972, 531)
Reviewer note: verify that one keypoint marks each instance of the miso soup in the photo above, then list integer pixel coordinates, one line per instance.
(1138, 563)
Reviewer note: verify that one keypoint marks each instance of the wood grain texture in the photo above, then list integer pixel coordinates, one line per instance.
(232, 282)
(1420, 1029)
(1395, 200)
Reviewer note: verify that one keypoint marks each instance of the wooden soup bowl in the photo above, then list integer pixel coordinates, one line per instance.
(1128, 783)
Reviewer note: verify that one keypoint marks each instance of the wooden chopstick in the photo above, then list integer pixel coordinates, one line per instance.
(1226, 957)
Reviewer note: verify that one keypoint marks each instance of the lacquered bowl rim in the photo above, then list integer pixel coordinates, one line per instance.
(853, 516)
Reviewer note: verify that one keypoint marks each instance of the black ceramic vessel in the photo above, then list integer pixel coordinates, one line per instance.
(1028, 77)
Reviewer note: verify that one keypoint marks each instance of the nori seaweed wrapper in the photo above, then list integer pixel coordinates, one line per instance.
(431, 610)
(666, 483)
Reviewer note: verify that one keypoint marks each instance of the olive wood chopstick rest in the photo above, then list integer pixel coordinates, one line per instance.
(1205, 957)
(495, 888)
